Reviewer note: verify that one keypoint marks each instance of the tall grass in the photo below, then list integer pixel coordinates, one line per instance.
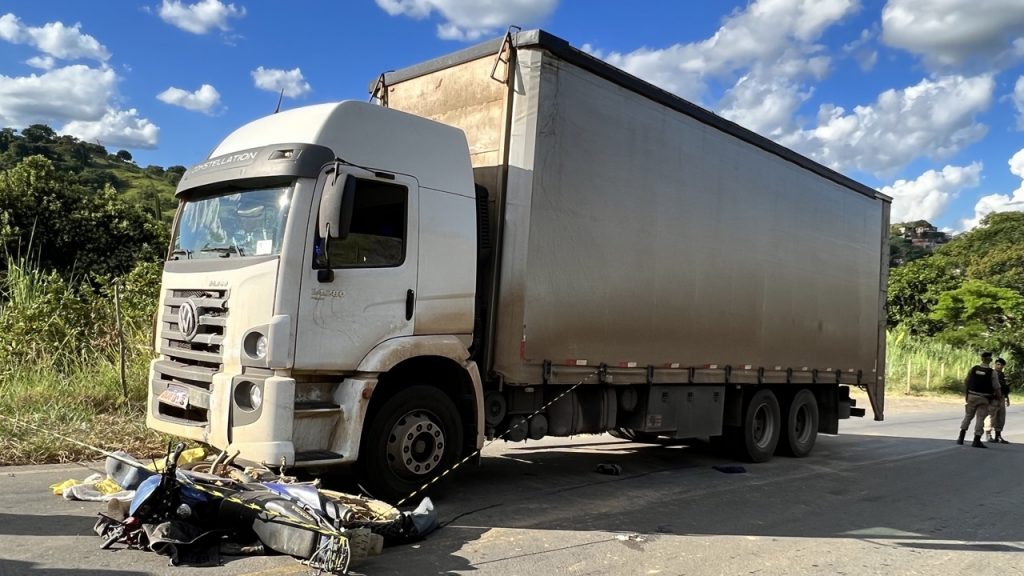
(919, 366)
(59, 364)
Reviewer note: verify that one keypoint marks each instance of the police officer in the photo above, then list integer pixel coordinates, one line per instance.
(982, 388)
(997, 411)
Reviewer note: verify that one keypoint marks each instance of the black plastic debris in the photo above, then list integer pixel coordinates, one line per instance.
(609, 469)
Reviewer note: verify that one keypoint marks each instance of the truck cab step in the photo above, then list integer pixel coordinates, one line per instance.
(314, 455)
(314, 407)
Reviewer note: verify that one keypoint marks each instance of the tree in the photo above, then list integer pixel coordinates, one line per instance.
(997, 231)
(38, 134)
(124, 155)
(173, 174)
(915, 288)
(69, 227)
(1003, 268)
(979, 315)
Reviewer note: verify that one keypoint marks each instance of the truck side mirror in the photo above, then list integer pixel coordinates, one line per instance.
(348, 202)
(329, 219)
(336, 204)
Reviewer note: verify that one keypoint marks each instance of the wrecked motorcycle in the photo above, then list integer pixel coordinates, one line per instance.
(194, 517)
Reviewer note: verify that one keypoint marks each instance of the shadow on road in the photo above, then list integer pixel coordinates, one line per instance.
(44, 525)
(17, 568)
(955, 547)
(901, 490)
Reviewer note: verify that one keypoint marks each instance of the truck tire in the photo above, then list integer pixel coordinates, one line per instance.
(801, 429)
(762, 425)
(413, 437)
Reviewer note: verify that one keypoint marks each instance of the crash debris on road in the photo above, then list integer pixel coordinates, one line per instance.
(194, 511)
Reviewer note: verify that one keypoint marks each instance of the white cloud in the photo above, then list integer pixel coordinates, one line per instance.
(951, 32)
(42, 62)
(472, 19)
(206, 99)
(117, 128)
(862, 51)
(201, 17)
(11, 29)
(1018, 101)
(1001, 202)
(54, 39)
(763, 103)
(272, 80)
(934, 118)
(80, 98)
(927, 197)
(60, 95)
(771, 45)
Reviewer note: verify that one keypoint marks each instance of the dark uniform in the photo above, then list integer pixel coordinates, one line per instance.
(997, 410)
(982, 388)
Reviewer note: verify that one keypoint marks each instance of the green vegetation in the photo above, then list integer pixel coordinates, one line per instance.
(59, 363)
(75, 222)
(967, 296)
(933, 367)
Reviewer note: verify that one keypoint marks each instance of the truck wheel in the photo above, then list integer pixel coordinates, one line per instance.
(414, 437)
(801, 429)
(762, 425)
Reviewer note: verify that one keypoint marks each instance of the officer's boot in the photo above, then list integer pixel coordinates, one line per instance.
(978, 443)
(999, 437)
(988, 437)
(960, 439)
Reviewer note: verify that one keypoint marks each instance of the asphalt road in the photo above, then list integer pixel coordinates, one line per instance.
(893, 497)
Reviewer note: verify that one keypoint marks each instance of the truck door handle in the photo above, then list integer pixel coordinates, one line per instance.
(410, 301)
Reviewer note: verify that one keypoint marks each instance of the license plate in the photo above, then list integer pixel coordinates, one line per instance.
(175, 396)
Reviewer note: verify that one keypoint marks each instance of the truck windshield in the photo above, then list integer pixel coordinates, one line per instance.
(235, 224)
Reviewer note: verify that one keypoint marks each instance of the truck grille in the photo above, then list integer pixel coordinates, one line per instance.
(191, 362)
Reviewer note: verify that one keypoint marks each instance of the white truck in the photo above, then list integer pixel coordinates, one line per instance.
(390, 283)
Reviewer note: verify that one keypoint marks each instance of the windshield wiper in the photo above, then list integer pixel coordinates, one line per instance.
(224, 251)
(181, 252)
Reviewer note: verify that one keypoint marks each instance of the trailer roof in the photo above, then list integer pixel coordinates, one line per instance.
(564, 51)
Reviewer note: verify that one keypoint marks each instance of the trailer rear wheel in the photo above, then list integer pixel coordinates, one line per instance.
(762, 426)
(414, 437)
(801, 429)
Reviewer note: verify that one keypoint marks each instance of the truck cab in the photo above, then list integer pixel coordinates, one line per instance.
(321, 275)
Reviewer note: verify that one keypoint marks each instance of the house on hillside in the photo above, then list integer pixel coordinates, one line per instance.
(922, 234)
(909, 241)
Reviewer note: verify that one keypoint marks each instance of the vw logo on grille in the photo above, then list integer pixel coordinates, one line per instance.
(188, 320)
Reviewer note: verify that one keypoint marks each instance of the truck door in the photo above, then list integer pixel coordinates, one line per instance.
(362, 290)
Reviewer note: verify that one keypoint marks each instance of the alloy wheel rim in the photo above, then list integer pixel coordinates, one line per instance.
(416, 444)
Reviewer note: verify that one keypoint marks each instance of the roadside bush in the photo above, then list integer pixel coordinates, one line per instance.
(60, 366)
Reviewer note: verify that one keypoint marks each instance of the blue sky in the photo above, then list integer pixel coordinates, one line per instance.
(922, 99)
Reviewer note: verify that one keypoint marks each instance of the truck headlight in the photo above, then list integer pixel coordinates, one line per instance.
(256, 396)
(256, 345)
(248, 396)
(261, 347)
